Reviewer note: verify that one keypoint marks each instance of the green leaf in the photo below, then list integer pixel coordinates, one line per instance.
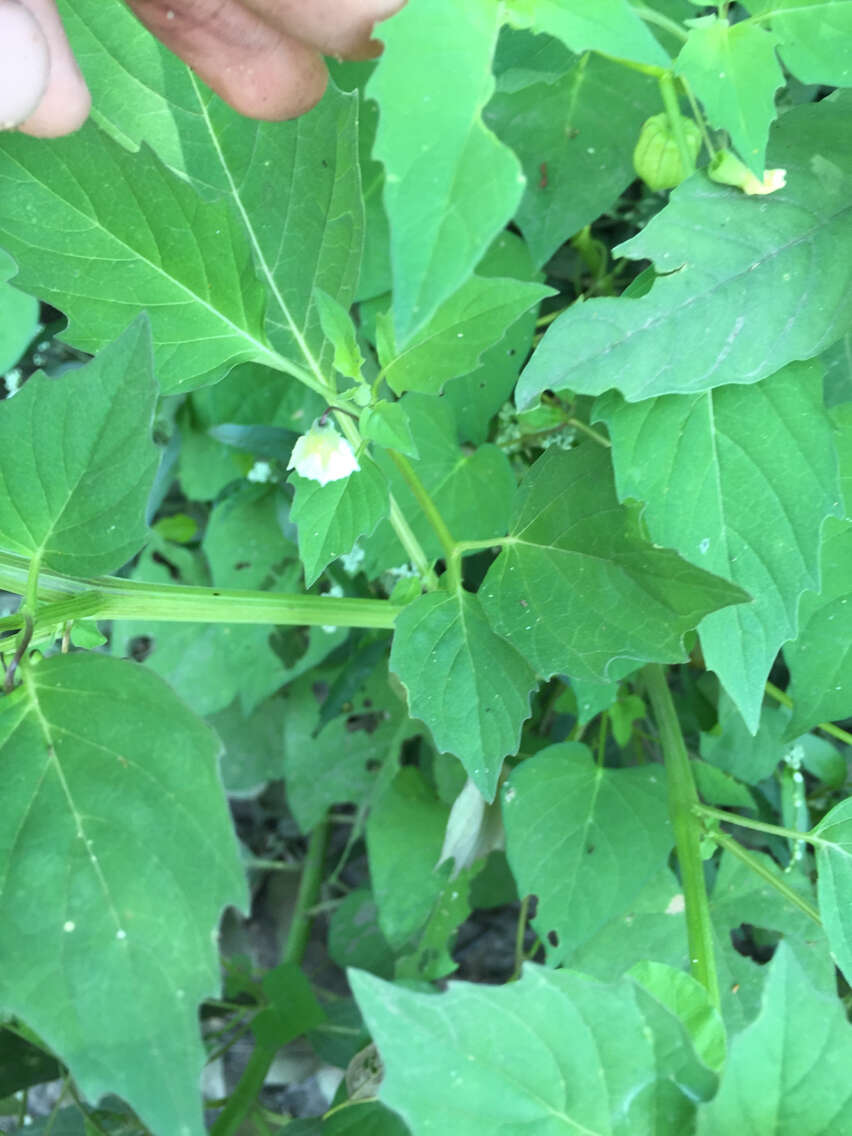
(77, 461)
(355, 937)
(114, 816)
(18, 318)
(352, 757)
(834, 881)
(574, 135)
(23, 1064)
(815, 37)
(783, 1074)
(468, 685)
(688, 1000)
(463, 327)
(751, 757)
(406, 881)
(119, 212)
(653, 927)
(331, 517)
(450, 186)
(734, 71)
(432, 957)
(253, 745)
(724, 311)
(476, 397)
(209, 665)
(820, 659)
(293, 187)
(339, 329)
(575, 587)
(472, 491)
(741, 896)
(293, 1008)
(677, 1011)
(715, 787)
(700, 462)
(555, 1053)
(243, 542)
(387, 425)
(585, 840)
(611, 27)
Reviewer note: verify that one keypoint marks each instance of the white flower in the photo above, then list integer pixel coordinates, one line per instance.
(727, 169)
(322, 455)
(260, 472)
(772, 180)
(474, 828)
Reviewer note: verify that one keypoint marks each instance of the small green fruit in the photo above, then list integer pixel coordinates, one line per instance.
(657, 159)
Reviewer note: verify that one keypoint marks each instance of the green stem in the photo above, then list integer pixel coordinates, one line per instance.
(412, 546)
(755, 825)
(650, 16)
(520, 931)
(306, 897)
(399, 522)
(683, 798)
(277, 362)
(68, 597)
(432, 513)
(667, 90)
(699, 118)
(602, 729)
(590, 432)
(760, 869)
(245, 1095)
(826, 727)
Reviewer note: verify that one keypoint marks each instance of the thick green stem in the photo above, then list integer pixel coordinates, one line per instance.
(759, 869)
(683, 797)
(109, 597)
(242, 1100)
(667, 90)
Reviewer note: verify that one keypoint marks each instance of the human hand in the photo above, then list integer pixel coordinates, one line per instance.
(264, 57)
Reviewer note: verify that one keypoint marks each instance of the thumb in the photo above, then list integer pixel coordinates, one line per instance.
(24, 64)
(41, 88)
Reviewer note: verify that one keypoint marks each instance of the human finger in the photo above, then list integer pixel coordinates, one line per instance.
(65, 102)
(24, 64)
(343, 28)
(256, 67)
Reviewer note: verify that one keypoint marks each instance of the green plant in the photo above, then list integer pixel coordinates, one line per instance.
(348, 561)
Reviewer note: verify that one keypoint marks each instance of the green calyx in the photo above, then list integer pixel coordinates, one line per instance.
(657, 158)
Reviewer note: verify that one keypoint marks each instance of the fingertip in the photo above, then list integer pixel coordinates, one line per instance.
(65, 101)
(64, 109)
(260, 89)
(24, 64)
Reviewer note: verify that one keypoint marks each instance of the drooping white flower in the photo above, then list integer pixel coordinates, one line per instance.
(474, 828)
(727, 169)
(323, 455)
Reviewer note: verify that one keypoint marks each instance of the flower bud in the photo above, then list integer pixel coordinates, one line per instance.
(727, 169)
(322, 455)
(657, 158)
(474, 828)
